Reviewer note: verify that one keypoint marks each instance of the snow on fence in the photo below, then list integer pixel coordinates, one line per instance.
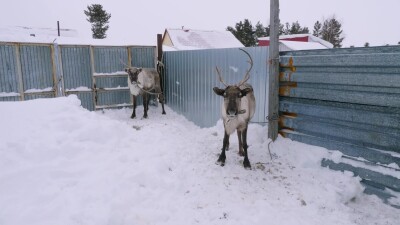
(94, 73)
(347, 100)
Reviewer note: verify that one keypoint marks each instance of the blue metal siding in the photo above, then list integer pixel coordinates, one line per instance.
(143, 56)
(109, 59)
(76, 67)
(191, 75)
(8, 70)
(43, 66)
(346, 100)
(37, 67)
(113, 97)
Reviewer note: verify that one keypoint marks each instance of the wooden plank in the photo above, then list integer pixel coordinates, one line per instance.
(347, 78)
(345, 60)
(273, 71)
(349, 149)
(339, 132)
(362, 114)
(366, 174)
(355, 96)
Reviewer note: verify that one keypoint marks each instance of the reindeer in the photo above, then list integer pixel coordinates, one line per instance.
(238, 108)
(145, 82)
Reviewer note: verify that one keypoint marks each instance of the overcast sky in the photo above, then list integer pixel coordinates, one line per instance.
(139, 21)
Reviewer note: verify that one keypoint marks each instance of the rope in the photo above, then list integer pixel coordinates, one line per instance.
(148, 92)
(269, 150)
(274, 118)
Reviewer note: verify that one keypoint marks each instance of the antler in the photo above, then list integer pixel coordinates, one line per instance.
(123, 62)
(220, 77)
(247, 76)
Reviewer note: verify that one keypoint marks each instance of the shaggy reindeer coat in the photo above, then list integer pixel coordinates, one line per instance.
(145, 82)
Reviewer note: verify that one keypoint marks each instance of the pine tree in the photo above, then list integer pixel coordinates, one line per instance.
(297, 29)
(332, 32)
(99, 19)
(286, 28)
(261, 31)
(317, 29)
(366, 44)
(244, 32)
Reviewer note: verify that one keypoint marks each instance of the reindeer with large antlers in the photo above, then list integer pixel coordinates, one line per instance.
(237, 110)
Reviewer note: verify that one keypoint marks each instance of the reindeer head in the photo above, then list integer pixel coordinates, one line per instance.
(133, 73)
(234, 93)
(232, 99)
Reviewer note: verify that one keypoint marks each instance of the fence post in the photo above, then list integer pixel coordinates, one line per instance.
(57, 71)
(19, 72)
(273, 106)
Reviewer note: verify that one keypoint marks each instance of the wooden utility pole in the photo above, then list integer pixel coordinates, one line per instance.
(273, 106)
(58, 28)
(159, 47)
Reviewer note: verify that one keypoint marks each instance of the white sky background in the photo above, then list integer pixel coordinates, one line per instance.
(138, 21)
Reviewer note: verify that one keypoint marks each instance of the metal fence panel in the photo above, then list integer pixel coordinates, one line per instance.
(37, 70)
(346, 100)
(109, 59)
(29, 71)
(143, 56)
(8, 72)
(191, 75)
(76, 67)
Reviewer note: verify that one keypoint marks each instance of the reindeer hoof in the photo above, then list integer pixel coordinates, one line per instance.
(221, 160)
(246, 164)
(220, 163)
(163, 113)
(133, 117)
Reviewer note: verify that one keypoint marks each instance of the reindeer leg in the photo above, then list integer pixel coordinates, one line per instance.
(239, 134)
(134, 107)
(145, 104)
(222, 156)
(246, 162)
(161, 97)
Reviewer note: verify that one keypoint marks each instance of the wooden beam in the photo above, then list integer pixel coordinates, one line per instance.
(273, 106)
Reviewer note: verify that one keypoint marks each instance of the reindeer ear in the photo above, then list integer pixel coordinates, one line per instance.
(140, 69)
(127, 70)
(219, 91)
(246, 91)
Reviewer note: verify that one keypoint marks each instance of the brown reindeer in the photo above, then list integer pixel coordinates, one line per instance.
(145, 82)
(238, 108)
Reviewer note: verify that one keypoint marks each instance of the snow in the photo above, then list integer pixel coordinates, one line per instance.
(48, 35)
(9, 94)
(189, 39)
(298, 45)
(311, 38)
(61, 164)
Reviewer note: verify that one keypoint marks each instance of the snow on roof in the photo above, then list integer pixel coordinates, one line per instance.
(50, 35)
(187, 39)
(20, 33)
(311, 37)
(299, 45)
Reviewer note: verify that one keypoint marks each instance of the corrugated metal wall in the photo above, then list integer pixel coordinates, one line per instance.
(109, 76)
(346, 100)
(27, 71)
(9, 87)
(94, 73)
(77, 73)
(190, 77)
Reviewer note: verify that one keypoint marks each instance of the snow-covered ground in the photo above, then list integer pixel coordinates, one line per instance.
(63, 165)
